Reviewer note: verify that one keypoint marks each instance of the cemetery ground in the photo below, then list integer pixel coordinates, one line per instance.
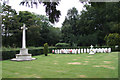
(100, 65)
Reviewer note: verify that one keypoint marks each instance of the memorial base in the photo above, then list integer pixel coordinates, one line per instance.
(91, 53)
(23, 56)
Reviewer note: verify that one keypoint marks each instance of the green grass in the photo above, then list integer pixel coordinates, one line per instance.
(0, 70)
(100, 65)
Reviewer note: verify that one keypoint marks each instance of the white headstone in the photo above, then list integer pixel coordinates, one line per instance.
(109, 50)
(106, 50)
(85, 50)
(71, 51)
(63, 50)
(99, 50)
(102, 50)
(55, 51)
(88, 50)
(75, 51)
(67, 51)
(95, 50)
(78, 51)
(81, 50)
(60, 51)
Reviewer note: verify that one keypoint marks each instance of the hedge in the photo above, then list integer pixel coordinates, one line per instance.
(11, 54)
(62, 45)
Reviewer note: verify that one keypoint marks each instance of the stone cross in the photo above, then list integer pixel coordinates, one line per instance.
(23, 37)
(23, 55)
(91, 46)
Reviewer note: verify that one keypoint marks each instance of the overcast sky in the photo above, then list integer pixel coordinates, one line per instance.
(63, 7)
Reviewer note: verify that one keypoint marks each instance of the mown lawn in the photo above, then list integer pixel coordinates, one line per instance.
(100, 65)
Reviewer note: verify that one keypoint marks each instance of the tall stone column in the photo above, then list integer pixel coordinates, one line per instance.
(24, 37)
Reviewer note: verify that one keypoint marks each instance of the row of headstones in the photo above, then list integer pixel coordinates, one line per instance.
(78, 51)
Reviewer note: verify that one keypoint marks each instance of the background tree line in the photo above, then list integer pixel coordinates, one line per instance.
(39, 30)
(93, 25)
(97, 24)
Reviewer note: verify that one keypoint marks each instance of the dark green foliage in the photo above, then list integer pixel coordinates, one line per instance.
(39, 30)
(50, 9)
(10, 25)
(11, 54)
(26, 17)
(70, 28)
(52, 12)
(87, 40)
(98, 4)
(46, 49)
(54, 36)
(92, 25)
(112, 39)
(89, 27)
(62, 45)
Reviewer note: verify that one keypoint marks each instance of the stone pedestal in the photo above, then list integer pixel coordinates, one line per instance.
(23, 56)
(92, 52)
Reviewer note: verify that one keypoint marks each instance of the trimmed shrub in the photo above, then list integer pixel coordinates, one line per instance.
(62, 45)
(12, 54)
(112, 39)
(9, 54)
(45, 49)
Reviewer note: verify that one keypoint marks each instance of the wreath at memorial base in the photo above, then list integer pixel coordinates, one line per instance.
(92, 51)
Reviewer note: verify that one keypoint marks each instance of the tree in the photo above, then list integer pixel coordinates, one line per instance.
(34, 36)
(7, 19)
(69, 26)
(10, 25)
(112, 39)
(39, 31)
(87, 40)
(93, 24)
(101, 19)
(54, 35)
(50, 8)
(26, 17)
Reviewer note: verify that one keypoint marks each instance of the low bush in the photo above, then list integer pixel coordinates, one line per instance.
(11, 54)
(112, 39)
(45, 49)
(62, 45)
